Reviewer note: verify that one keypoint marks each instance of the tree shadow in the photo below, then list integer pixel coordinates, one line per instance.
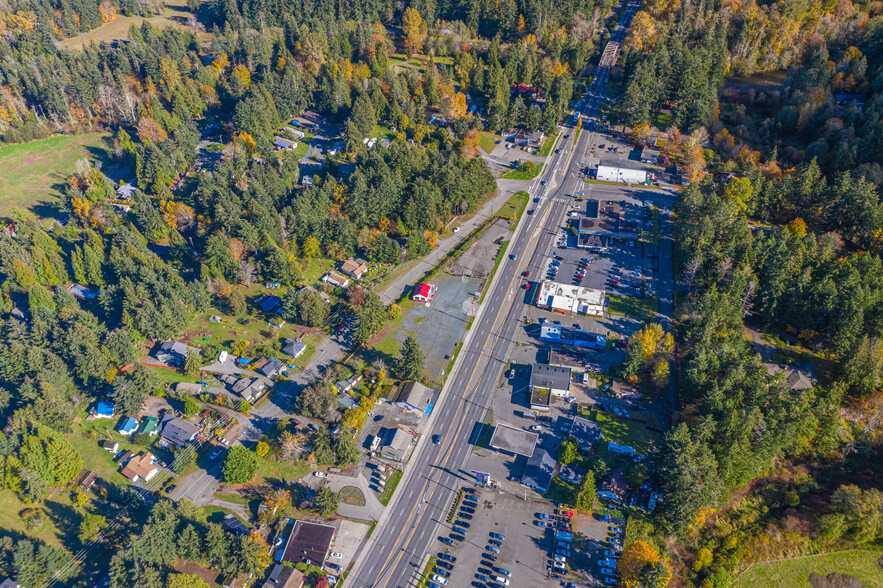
(67, 520)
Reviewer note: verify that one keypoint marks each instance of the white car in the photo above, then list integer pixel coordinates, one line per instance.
(535, 428)
(560, 558)
(455, 229)
(501, 580)
(320, 474)
(439, 579)
(332, 580)
(336, 555)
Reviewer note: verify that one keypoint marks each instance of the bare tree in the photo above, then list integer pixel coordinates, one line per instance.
(690, 269)
(746, 299)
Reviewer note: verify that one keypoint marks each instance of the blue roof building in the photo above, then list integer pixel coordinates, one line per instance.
(104, 410)
(128, 426)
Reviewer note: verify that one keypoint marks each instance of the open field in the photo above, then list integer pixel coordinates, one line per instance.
(29, 172)
(794, 573)
(488, 140)
(11, 506)
(174, 14)
(626, 432)
(514, 207)
(520, 175)
(637, 308)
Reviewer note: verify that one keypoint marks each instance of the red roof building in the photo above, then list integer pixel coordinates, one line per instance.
(424, 292)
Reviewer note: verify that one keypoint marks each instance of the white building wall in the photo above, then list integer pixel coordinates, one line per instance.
(621, 174)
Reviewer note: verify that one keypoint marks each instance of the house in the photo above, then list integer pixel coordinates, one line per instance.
(150, 425)
(335, 279)
(314, 117)
(284, 577)
(620, 449)
(248, 388)
(415, 397)
(87, 479)
(321, 294)
(267, 302)
(295, 133)
(571, 473)
(269, 367)
(347, 385)
(549, 377)
(9, 583)
(345, 401)
(308, 543)
(128, 426)
(110, 446)
(281, 143)
(354, 269)
(395, 444)
(586, 432)
(178, 431)
(513, 440)
(798, 376)
(103, 410)
(174, 353)
(613, 487)
(294, 348)
(82, 292)
(424, 292)
(141, 467)
(538, 471)
(232, 524)
(127, 190)
(529, 138)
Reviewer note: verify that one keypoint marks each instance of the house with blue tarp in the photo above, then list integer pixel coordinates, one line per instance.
(128, 426)
(104, 410)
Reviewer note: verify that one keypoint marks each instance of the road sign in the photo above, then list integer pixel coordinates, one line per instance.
(482, 477)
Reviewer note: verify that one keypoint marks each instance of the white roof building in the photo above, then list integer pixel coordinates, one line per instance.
(624, 175)
(569, 299)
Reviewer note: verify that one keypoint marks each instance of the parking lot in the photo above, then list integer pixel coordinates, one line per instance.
(523, 550)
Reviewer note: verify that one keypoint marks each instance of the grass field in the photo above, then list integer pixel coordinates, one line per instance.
(514, 207)
(391, 484)
(29, 171)
(174, 14)
(547, 146)
(270, 470)
(488, 140)
(519, 175)
(795, 573)
(638, 308)
(352, 495)
(11, 506)
(625, 432)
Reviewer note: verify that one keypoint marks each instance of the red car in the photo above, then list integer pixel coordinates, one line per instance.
(526, 274)
(527, 286)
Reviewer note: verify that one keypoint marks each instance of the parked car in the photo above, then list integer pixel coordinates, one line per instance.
(457, 537)
(492, 549)
(447, 557)
(444, 564)
(560, 558)
(506, 573)
(612, 554)
(439, 579)
(495, 543)
(466, 516)
(320, 474)
(463, 524)
(608, 571)
(446, 540)
(442, 572)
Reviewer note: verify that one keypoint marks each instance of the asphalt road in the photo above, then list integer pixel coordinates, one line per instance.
(409, 527)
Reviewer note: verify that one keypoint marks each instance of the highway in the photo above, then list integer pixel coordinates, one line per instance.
(409, 526)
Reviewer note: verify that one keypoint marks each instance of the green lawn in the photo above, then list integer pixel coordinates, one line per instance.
(795, 573)
(426, 576)
(488, 140)
(390, 344)
(10, 519)
(625, 432)
(174, 13)
(514, 207)
(394, 477)
(316, 269)
(547, 145)
(638, 308)
(270, 470)
(514, 174)
(30, 172)
(561, 492)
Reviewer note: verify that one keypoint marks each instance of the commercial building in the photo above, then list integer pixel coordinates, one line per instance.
(572, 336)
(424, 292)
(308, 543)
(549, 377)
(624, 175)
(569, 299)
(509, 439)
(415, 397)
(395, 444)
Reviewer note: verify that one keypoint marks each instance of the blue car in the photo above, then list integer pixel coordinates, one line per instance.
(499, 536)
(447, 540)
(447, 557)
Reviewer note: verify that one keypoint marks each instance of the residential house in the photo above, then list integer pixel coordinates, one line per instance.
(335, 279)
(322, 294)
(424, 292)
(150, 426)
(586, 432)
(128, 426)
(281, 143)
(295, 133)
(248, 388)
(573, 474)
(415, 397)
(529, 138)
(126, 191)
(294, 348)
(141, 467)
(798, 376)
(177, 431)
(347, 385)
(174, 353)
(232, 524)
(284, 577)
(613, 487)
(354, 269)
(538, 471)
(345, 401)
(110, 446)
(395, 444)
(103, 410)
(86, 480)
(9, 583)
(124, 457)
(269, 367)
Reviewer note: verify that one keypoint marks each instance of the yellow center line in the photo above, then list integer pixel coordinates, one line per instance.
(401, 553)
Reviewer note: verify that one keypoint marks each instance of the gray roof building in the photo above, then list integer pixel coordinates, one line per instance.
(586, 432)
(294, 347)
(512, 440)
(554, 378)
(174, 352)
(395, 444)
(178, 431)
(270, 367)
(538, 471)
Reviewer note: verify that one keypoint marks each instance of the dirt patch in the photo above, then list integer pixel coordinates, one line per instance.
(188, 567)
(352, 495)
(478, 260)
(835, 580)
(32, 159)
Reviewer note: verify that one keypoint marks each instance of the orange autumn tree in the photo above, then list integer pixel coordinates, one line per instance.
(641, 563)
(149, 130)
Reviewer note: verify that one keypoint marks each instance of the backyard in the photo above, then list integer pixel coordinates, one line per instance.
(31, 172)
(625, 432)
(637, 308)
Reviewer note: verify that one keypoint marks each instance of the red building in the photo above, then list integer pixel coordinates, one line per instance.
(424, 292)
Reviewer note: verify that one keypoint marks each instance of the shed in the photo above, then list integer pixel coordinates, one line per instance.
(150, 425)
(424, 292)
(232, 524)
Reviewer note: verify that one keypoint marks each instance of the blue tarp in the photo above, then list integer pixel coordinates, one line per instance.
(429, 408)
